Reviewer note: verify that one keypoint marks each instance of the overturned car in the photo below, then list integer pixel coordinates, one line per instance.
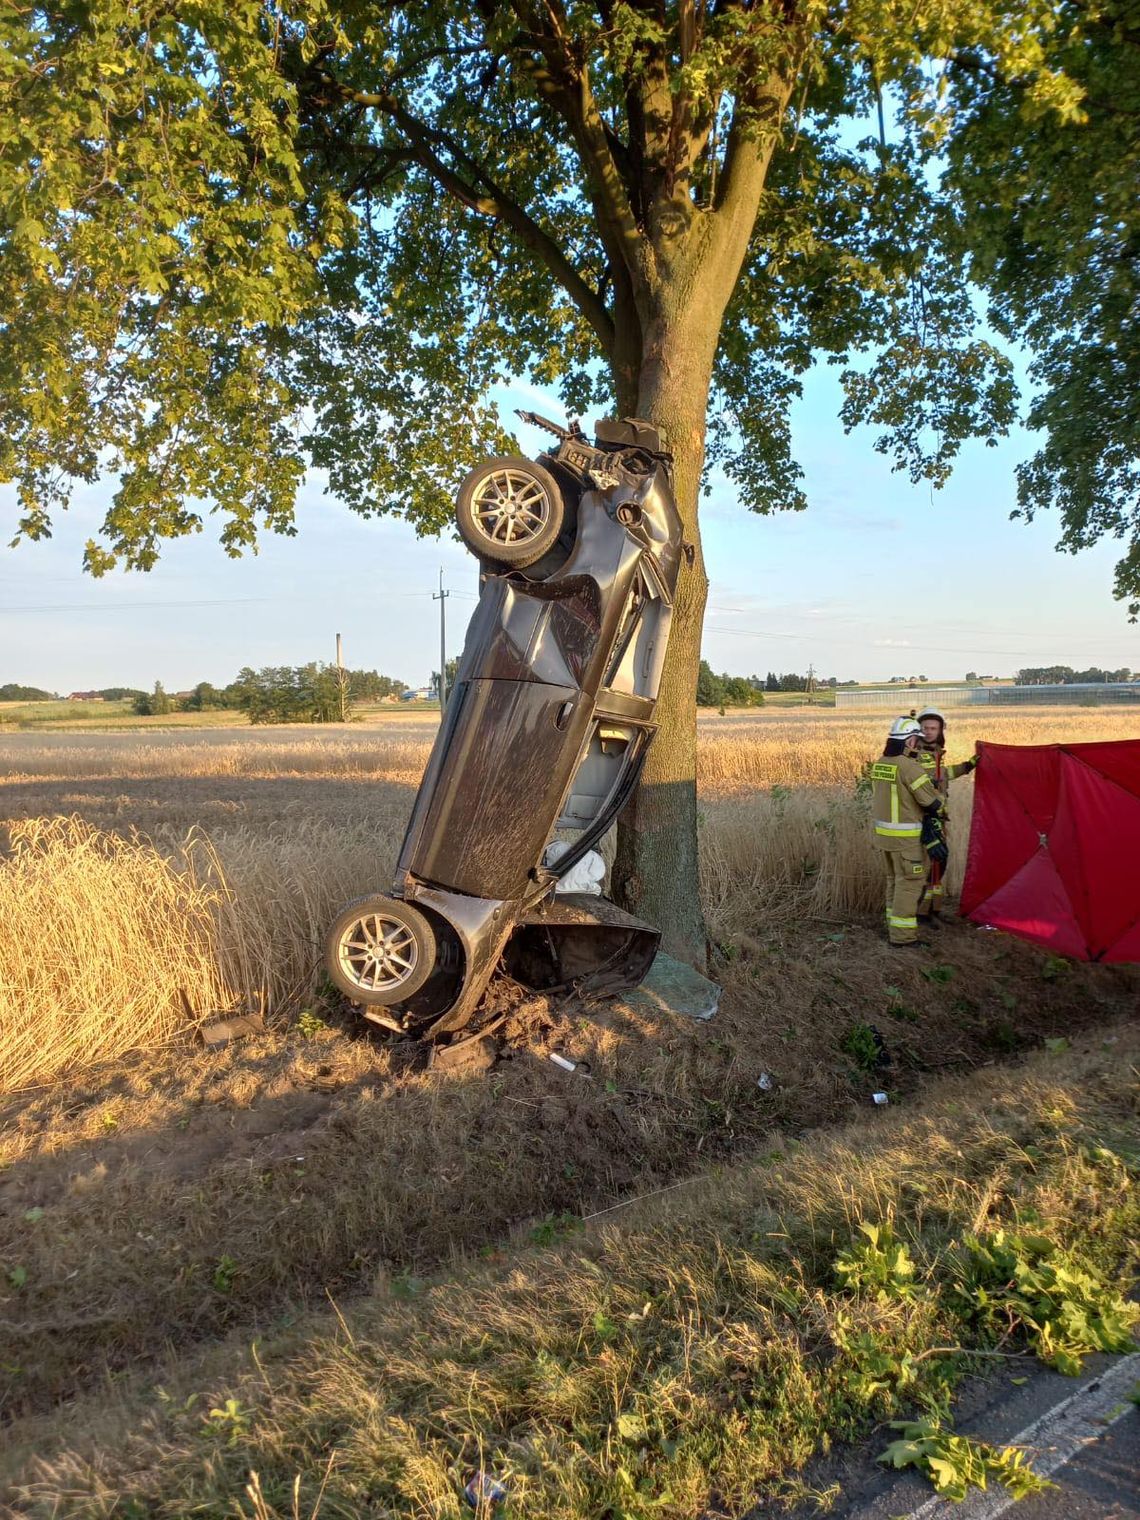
(546, 729)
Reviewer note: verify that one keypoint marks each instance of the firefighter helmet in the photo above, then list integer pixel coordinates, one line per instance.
(932, 712)
(905, 728)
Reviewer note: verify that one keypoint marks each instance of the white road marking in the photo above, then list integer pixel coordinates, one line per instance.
(1051, 1441)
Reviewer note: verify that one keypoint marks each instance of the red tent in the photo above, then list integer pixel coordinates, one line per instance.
(1055, 847)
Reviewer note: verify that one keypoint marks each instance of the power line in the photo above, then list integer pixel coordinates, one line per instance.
(226, 601)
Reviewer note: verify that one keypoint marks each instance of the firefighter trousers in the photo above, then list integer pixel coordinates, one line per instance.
(904, 870)
(932, 892)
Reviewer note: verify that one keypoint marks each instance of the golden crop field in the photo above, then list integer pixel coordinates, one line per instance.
(151, 875)
(156, 1194)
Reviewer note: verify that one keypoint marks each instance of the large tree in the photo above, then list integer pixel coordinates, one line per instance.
(242, 239)
(1052, 220)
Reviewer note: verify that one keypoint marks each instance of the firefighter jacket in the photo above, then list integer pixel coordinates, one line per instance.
(901, 792)
(941, 774)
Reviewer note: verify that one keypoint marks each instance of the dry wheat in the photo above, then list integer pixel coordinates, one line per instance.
(252, 843)
(103, 944)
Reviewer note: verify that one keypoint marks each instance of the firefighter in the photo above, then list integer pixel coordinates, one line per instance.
(905, 813)
(932, 754)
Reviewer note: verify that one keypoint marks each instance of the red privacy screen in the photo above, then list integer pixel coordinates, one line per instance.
(1055, 847)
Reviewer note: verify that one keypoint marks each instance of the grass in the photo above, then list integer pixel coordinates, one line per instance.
(120, 717)
(157, 1196)
(268, 834)
(65, 716)
(810, 747)
(105, 946)
(313, 1157)
(677, 1358)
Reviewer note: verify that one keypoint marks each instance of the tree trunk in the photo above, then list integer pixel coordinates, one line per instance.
(655, 870)
(680, 290)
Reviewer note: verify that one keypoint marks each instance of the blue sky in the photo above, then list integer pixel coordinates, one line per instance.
(875, 579)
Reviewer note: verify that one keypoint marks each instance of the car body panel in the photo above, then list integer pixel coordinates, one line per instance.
(547, 726)
(518, 781)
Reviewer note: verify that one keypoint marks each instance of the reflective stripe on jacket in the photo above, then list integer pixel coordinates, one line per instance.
(941, 774)
(901, 790)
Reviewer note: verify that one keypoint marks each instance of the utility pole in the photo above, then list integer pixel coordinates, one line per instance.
(341, 680)
(810, 681)
(441, 597)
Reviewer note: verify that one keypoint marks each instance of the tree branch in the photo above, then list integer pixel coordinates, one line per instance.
(563, 81)
(480, 193)
(752, 138)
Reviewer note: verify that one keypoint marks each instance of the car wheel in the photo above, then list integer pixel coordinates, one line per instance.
(380, 951)
(509, 512)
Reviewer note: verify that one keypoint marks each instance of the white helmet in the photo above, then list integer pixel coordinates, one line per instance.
(905, 728)
(932, 712)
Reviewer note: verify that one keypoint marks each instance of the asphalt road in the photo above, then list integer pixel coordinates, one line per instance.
(1101, 1483)
(1081, 1433)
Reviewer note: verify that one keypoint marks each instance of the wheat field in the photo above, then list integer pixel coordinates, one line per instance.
(150, 880)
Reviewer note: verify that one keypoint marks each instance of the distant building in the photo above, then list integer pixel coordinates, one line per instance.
(999, 696)
(85, 696)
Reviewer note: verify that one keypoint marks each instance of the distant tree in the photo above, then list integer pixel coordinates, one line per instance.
(1096, 675)
(239, 693)
(773, 682)
(119, 693)
(971, 675)
(371, 686)
(154, 704)
(204, 697)
(1064, 675)
(710, 687)
(792, 682)
(740, 692)
(15, 693)
(288, 694)
(319, 686)
(1044, 675)
(452, 673)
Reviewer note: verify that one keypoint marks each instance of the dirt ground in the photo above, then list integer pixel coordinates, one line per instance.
(161, 1198)
(156, 1201)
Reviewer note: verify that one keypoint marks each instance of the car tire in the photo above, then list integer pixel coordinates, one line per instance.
(380, 951)
(509, 512)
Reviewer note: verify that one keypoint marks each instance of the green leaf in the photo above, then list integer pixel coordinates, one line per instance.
(631, 1427)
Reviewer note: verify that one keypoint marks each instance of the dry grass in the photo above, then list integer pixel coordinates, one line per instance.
(670, 1360)
(162, 1198)
(809, 748)
(282, 754)
(258, 839)
(104, 946)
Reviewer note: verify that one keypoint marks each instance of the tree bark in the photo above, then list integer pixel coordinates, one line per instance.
(689, 265)
(656, 867)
